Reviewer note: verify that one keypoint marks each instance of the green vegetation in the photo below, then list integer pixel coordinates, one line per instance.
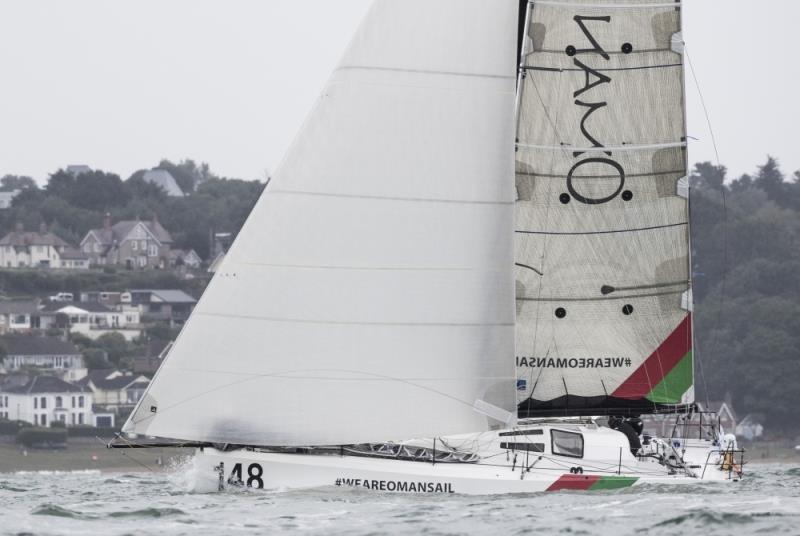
(747, 291)
(42, 437)
(20, 283)
(73, 205)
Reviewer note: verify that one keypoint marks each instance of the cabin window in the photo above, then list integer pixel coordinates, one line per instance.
(525, 447)
(568, 444)
(80, 405)
(59, 402)
(43, 403)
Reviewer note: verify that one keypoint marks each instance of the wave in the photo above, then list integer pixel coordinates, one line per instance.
(149, 512)
(705, 517)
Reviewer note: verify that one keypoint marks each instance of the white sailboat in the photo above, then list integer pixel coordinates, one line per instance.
(370, 296)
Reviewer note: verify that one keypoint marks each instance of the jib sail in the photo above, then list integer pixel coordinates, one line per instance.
(602, 221)
(369, 296)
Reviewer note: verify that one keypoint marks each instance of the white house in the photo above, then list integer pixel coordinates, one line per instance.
(18, 316)
(27, 351)
(115, 391)
(42, 400)
(92, 319)
(23, 249)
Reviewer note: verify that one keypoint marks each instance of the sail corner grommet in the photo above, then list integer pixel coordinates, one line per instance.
(561, 312)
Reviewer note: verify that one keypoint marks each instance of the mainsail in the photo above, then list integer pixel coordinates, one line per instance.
(370, 294)
(602, 228)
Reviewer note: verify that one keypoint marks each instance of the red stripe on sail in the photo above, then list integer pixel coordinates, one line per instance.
(574, 482)
(658, 365)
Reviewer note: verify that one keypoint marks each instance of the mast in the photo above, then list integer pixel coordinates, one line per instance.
(603, 258)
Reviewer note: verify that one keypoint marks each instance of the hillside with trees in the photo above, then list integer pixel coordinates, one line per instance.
(746, 233)
(72, 205)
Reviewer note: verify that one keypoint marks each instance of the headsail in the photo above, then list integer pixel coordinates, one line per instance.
(369, 295)
(602, 244)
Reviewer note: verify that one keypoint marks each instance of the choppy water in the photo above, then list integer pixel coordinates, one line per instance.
(768, 502)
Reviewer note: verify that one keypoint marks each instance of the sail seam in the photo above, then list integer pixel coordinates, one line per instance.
(605, 232)
(601, 149)
(356, 323)
(604, 6)
(358, 268)
(388, 198)
(602, 70)
(603, 298)
(631, 176)
(423, 71)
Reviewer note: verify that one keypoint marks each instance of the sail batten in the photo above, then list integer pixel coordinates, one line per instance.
(603, 322)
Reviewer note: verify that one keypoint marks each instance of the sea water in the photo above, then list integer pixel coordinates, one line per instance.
(47, 503)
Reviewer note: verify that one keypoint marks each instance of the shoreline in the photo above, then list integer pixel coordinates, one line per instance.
(87, 455)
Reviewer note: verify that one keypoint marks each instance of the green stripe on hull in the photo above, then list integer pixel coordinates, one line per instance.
(675, 384)
(613, 482)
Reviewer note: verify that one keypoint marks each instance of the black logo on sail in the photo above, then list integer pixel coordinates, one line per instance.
(583, 98)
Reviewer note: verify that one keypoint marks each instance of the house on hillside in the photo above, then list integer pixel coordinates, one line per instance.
(92, 319)
(42, 400)
(187, 258)
(79, 169)
(43, 249)
(133, 244)
(107, 298)
(115, 391)
(49, 353)
(18, 316)
(165, 180)
(172, 305)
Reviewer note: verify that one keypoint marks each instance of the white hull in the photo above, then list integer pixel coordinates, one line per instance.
(498, 471)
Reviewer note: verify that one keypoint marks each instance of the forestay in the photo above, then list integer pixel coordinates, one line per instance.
(369, 296)
(602, 241)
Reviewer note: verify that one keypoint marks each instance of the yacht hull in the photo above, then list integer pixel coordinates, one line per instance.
(528, 459)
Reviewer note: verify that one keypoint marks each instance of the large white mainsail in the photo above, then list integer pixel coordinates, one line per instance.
(603, 280)
(369, 296)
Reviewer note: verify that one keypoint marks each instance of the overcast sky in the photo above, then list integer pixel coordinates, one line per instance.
(120, 85)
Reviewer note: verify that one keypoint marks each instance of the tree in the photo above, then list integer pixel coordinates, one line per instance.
(115, 346)
(17, 182)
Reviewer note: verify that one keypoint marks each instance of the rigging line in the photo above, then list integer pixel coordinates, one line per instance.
(124, 454)
(723, 192)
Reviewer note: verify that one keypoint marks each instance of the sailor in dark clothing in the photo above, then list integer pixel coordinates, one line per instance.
(631, 427)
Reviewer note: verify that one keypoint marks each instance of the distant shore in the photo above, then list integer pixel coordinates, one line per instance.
(87, 454)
